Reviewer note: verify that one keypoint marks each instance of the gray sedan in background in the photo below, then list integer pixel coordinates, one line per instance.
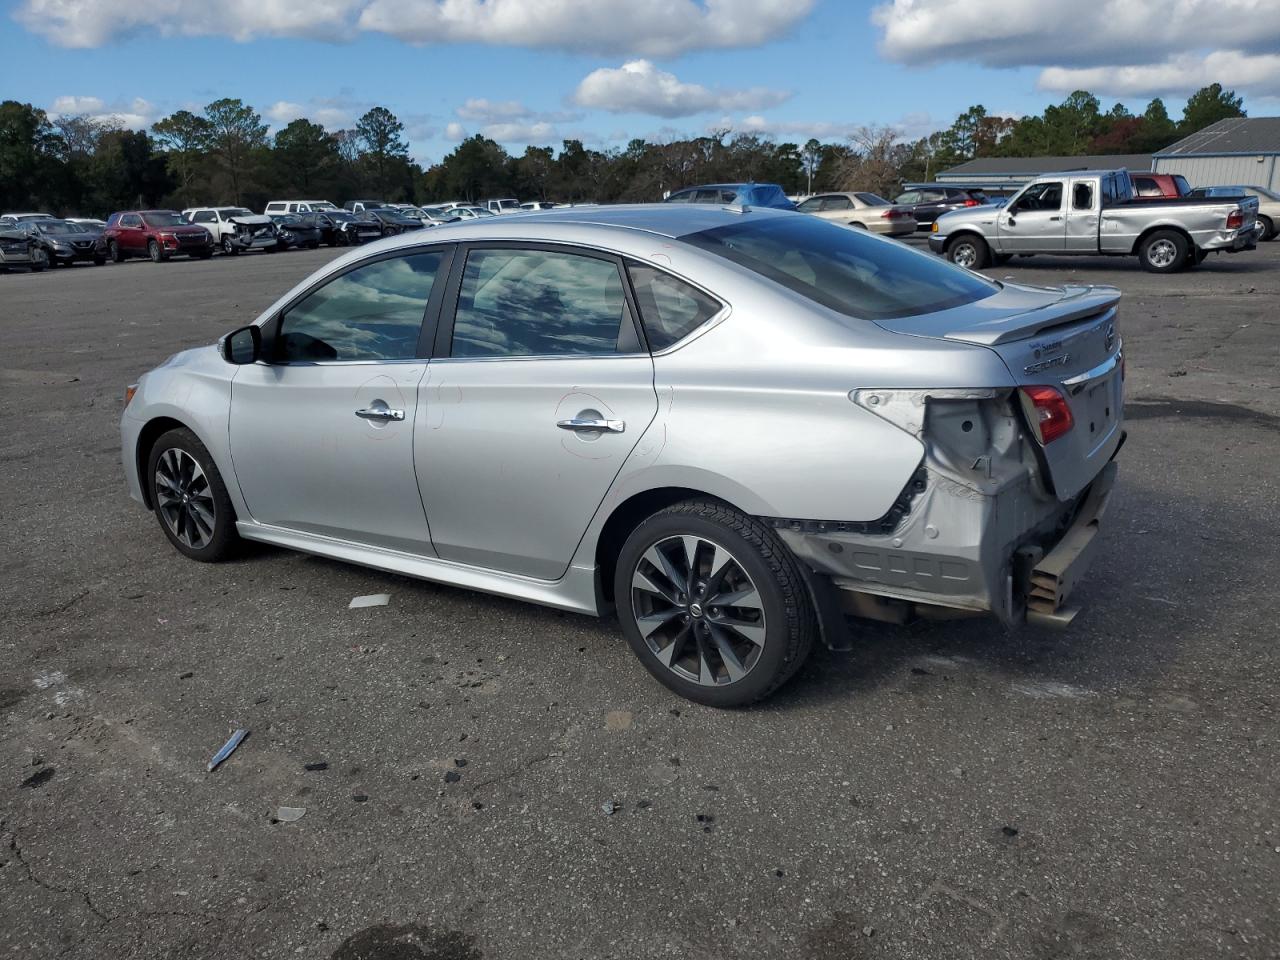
(730, 426)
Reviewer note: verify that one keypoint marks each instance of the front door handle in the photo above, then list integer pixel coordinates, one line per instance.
(1055, 218)
(379, 411)
(579, 423)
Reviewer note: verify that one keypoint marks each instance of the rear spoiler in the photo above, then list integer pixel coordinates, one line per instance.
(1093, 302)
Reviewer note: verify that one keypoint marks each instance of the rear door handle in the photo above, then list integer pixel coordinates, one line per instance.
(578, 423)
(380, 411)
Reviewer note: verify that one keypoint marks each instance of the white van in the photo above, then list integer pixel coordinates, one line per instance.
(297, 206)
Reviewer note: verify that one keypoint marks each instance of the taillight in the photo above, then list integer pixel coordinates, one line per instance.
(1235, 220)
(1047, 412)
(972, 203)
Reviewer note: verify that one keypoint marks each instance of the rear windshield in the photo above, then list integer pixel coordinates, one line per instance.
(872, 199)
(164, 219)
(848, 271)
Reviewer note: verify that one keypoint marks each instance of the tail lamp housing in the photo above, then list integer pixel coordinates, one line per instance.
(1047, 412)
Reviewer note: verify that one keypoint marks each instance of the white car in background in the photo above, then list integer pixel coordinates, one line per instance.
(298, 206)
(507, 205)
(538, 205)
(235, 228)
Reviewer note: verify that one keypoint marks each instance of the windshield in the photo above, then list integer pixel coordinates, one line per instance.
(237, 212)
(163, 218)
(854, 274)
(341, 216)
(57, 226)
(323, 205)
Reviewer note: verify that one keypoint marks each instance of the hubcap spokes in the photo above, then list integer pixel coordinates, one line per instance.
(965, 255)
(184, 498)
(698, 610)
(1162, 253)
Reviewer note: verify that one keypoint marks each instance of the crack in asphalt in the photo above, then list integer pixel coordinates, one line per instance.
(16, 847)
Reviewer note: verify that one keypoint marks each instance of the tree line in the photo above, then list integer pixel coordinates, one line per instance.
(227, 155)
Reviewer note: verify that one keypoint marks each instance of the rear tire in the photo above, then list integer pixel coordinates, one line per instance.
(724, 627)
(99, 261)
(969, 251)
(858, 226)
(1268, 228)
(1164, 251)
(189, 498)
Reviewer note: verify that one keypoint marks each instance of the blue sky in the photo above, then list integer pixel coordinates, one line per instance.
(608, 70)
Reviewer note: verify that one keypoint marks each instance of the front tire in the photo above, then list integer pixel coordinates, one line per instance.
(113, 251)
(155, 252)
(229, 248)
(189, 498)
(969, 251)
(1165, 251)
(1268, 228)
(713, 603)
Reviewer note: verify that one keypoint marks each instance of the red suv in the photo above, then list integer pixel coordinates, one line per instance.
(157, 234)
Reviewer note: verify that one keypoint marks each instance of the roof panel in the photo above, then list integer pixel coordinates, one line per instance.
(1235, 135)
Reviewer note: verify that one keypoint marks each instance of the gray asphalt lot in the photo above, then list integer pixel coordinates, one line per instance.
(942, 791)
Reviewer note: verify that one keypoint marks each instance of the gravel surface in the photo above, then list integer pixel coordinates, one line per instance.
(484, 778)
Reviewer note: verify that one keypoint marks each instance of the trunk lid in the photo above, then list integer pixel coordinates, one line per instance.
(1063, 337)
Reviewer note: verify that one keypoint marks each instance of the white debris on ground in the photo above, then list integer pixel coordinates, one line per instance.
(369, 600)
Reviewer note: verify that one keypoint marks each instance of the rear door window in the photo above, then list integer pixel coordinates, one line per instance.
(845, 270)
(837, 203)
(541, 303)
(670, 309)
(1082, 196)
(373, 312)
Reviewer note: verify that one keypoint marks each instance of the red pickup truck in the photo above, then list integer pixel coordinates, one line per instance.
(1159, 186)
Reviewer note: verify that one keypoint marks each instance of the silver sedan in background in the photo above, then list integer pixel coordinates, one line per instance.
(730, 426)
(863, 211)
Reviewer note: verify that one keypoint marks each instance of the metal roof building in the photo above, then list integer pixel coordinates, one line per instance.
(1006, 174)
(1242, 150)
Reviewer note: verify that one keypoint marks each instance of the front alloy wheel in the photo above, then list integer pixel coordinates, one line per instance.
(713, 603)
(184, 498)
(189, 497)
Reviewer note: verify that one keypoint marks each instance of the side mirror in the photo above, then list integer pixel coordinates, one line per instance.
(242, 346)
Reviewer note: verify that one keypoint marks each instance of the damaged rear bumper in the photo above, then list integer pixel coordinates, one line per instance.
(1013, 553)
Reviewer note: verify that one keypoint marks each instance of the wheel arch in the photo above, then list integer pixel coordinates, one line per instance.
(1157, 228)
(154, 429)
(628, 515)
(966, 232)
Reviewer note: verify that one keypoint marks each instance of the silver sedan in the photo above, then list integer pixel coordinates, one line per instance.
(730, 426)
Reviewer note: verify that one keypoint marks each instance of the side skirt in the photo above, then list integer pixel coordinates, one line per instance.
(575, 591)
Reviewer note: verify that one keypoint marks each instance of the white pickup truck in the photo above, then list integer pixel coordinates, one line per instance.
(1091, 213)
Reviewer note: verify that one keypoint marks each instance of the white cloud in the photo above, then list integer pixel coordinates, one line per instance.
(537, 132)
(330, 114)
(480, 110)
(1182, 74)
(136, 114)
(1004, 33)
(455, 131)
(640, 87)
(92, 23)
(1120, 48)
(661, 28)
